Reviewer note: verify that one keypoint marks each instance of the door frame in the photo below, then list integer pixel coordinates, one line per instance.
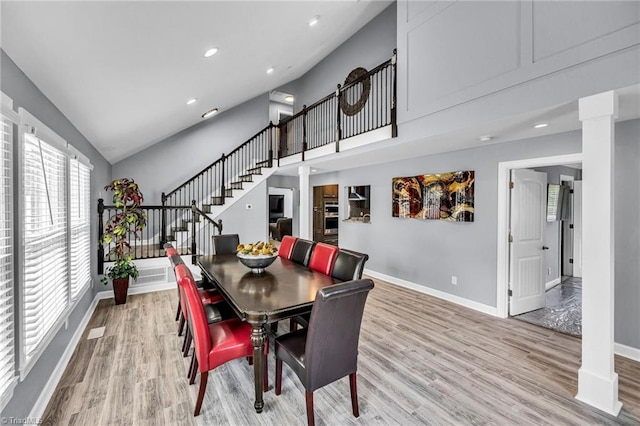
(504, 173)
(562, 251)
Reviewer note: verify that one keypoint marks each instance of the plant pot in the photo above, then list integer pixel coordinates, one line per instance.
(120, 289)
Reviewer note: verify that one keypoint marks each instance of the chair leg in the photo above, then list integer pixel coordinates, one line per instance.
(274, 327)
(265, 374)
(194, 371)
(203, 387)
(292, 325)
(178, 312)
(250, 360)
(187, 343)
(354, 394)
(278, 376)
(310, 417)
(181, 324)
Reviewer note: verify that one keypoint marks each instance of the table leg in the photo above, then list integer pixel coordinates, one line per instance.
(257, 339)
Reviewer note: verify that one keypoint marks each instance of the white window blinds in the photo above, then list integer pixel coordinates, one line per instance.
(79, 192)
(7, 359)
(46, 271)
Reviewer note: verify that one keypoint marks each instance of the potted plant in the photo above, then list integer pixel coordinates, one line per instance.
(128, 221)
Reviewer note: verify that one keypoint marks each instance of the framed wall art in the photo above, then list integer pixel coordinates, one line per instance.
(439, 196)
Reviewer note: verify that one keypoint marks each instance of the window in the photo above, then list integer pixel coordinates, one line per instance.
(7, 361)
(55, 235)
(80, 190)
(44, 215)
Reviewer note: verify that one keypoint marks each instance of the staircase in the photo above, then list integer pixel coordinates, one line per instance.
(187, 217)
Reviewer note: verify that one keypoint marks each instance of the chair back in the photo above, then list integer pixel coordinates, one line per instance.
(169, 250)
(349, 265)
(286, 246)
(331, 350)
(175, 261)
(196, 316)
(225, 244)
(322, 258)
(302, 251)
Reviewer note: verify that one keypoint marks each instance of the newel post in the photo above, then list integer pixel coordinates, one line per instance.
(194, 213)
(271, 126)
(223, 187)
(163, 218)
(304, 130)
(338, 126)
(100, 234)
(394, 90)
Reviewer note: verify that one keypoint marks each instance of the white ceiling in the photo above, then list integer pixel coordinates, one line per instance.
(122, 72)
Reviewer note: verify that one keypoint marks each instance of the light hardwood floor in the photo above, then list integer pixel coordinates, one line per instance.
(422, 361)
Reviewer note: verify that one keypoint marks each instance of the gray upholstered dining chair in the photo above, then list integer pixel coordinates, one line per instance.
(225, 244)
(328, 349)
(347, 266)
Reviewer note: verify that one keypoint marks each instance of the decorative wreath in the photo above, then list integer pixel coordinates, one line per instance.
(355, 75)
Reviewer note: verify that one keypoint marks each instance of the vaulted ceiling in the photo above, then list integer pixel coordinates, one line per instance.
(122, 72)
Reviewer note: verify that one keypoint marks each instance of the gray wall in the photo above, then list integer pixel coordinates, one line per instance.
(249, 224)
(554, 229)
(627, 233)
(369, 47)
(428, 253)
(25, 94)
(167, 164)
(468, 62)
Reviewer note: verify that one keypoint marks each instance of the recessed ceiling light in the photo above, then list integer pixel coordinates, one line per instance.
(540, 126)
(192, 101)
(314, 21)
(270, 70)
(288, 98)
(209, 113)
(314, 170)
(486, 138)
(211, 52)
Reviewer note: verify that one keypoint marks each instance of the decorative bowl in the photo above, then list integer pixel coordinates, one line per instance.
(257, 263)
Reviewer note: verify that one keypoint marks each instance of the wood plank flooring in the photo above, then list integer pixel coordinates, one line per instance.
(445, 365)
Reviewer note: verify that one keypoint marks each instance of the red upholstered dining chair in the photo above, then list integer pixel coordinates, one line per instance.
(214, 344)
(286, 246)
(328, 349)
(322, 258)
(216, 308)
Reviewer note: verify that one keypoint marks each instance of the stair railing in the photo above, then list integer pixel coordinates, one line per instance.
(158, 231)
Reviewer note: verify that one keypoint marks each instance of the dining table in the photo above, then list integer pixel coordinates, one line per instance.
(284, 290)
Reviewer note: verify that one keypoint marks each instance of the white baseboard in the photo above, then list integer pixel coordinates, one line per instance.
(551, 284)
(480, 307)
(49, 388)
(626, 351)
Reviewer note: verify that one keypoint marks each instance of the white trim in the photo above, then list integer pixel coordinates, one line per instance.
(480, 307)
(290, 159)
(49, 388)
(32, 125)
(627, 351)
(320, 151)
(108, 294)
(6, 108)
(381, 134)
(551, 284)
(504, 169)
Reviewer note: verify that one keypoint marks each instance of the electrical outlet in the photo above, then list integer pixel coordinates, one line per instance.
(454, 280)
(549, 271)
(249, 207)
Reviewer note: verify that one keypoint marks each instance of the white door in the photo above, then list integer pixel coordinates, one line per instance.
(577, 228)
(526, 266)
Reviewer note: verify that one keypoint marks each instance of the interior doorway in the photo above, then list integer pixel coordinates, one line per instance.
(545, 245)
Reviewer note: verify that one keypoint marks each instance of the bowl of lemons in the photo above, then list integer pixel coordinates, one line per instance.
(257, 256)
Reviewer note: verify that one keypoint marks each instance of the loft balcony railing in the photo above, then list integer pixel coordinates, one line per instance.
(366, 102)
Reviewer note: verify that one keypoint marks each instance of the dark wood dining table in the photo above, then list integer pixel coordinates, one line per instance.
(284, 290)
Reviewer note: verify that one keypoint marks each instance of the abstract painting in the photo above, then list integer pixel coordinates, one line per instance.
(440, 196)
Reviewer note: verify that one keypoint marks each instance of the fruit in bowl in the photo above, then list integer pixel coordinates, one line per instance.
(257, 249)
(257, 256)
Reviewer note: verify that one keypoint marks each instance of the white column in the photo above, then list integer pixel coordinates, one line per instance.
(305, 203)
(597, 380)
